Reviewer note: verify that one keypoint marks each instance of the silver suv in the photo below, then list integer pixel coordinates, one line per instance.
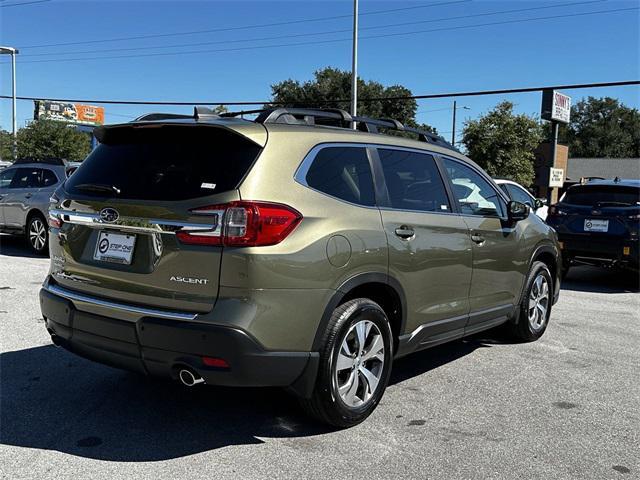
(25, 189)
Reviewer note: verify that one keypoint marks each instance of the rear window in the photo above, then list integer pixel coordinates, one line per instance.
(165, 163)
(612, 195)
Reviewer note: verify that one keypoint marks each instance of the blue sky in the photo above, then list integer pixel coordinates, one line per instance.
(580, 49)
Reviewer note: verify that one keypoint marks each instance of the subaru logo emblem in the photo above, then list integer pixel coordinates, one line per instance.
(109, 215)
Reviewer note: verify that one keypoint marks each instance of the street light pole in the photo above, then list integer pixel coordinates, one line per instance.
(453, 130)
(354, 64)
(13, 51)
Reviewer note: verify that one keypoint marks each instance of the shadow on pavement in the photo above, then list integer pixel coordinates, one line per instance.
(601, 280)
(16, 246)
(54, 400)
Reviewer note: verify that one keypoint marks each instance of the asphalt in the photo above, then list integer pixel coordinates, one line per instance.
(565, 407)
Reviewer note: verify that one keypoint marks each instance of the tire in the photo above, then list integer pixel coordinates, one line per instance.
(37, 234)
(342, 395)
(535, 307)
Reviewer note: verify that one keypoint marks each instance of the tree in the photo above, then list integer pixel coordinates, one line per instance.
(48, 138)
(331, 84)
(503, 143)
(6, 146)
(603, 127)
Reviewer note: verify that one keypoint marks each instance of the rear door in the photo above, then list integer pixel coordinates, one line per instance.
(23, 186)
(499, 265)
(5, 180)
(429, 245)
(140, 215)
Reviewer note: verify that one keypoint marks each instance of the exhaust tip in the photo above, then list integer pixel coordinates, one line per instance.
(189, 378)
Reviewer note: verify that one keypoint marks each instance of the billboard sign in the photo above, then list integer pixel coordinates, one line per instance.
(556, 177)
(556, 106)
(75, 113)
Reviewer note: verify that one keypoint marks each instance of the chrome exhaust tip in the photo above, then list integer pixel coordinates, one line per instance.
(189, 378)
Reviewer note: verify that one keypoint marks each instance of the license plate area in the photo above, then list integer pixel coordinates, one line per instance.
(114, 247)
(594, 225)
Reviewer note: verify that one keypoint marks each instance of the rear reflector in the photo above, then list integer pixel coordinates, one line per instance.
(215, 362)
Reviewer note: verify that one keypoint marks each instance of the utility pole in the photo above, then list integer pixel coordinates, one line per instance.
(354, 65)
(453, 130)
(13, 52)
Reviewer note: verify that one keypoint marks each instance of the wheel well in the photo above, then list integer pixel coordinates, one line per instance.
(33, 212)
(550, 261)
(385, 296)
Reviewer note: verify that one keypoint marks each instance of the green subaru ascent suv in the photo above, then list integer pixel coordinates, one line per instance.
(301, 249)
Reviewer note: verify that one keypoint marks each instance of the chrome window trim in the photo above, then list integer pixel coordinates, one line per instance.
(300, 176)
(152, 312)
(142, 225)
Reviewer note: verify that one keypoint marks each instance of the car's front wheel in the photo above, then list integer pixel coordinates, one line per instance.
(355, 363)
(38, 234)
(535, 307)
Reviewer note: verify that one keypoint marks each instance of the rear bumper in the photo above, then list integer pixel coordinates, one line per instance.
(599, 250)
(161, 346)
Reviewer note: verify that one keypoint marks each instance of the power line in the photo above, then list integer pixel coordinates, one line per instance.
(243, 27)
(576, 86)
(319, 42)
(329, 32)
(23, 3)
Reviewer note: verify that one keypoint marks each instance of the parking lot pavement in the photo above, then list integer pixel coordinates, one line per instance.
(567, 406)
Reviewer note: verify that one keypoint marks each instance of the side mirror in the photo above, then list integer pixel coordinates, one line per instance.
(517, 211)
(540, 202)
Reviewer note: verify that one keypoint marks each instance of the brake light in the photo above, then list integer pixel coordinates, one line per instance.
(54, 221)
(244, 224)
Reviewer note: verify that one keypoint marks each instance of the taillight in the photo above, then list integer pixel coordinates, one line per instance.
(556, 210)
(54, 221)
(244, 224)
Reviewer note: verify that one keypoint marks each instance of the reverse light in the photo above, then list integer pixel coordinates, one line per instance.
(244, 224)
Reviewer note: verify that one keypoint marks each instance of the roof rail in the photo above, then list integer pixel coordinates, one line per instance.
(329, 116)
(147, 117)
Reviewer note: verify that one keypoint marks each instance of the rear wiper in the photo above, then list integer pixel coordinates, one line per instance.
(98, 187)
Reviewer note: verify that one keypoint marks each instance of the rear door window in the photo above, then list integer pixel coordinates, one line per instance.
(413, 181)
(26, 178)
(344, 173)
(165, 162)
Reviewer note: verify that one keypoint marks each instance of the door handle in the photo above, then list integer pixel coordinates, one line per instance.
(405, 232)
(27, 195)
(479, 239)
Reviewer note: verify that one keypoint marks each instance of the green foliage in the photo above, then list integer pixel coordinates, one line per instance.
(6, 146)
(503, 143)
(48, 138)
(603, 127)
(332, 83)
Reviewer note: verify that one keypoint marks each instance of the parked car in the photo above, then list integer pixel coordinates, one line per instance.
(287, 251)
(597, 223)
(25, 188)
(517, 192)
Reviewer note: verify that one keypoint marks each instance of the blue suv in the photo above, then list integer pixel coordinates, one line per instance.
(597, 223)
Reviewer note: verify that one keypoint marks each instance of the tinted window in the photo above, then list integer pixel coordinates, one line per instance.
(519, 195)
(592, 195)
(343, 172)
(165, 163)
(6, 177)
(413, 181)
(48, 178)
(26, 178)
(474, 194)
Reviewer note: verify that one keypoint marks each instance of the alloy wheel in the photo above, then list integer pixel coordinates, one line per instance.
(539, 298)
(37, 234)
(359, 364)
